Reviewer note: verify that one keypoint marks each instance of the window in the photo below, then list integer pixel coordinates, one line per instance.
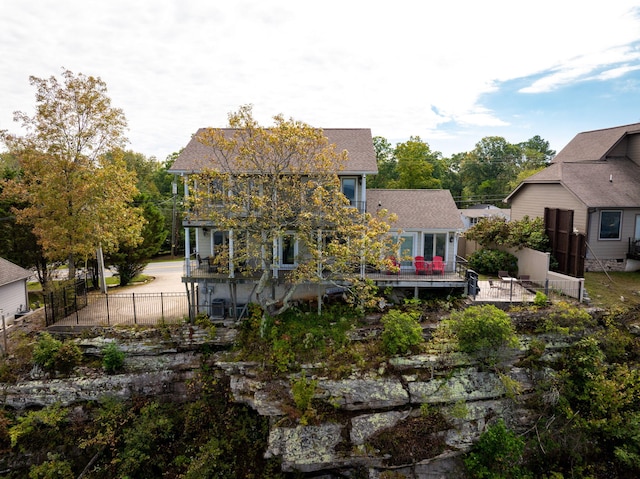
(435, 244)
(349, 189)
(610, 222)
(406, 250)
(288, 253)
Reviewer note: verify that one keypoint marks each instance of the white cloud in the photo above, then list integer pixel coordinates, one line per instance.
(174, 66)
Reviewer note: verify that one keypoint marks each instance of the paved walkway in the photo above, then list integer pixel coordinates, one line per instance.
(161, 298)
(502, 292)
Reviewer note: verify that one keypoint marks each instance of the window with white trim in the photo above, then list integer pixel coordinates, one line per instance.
(435, 244)
(610, 224)
(288, 250)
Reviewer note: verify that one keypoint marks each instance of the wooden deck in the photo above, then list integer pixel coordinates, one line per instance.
(404, 279)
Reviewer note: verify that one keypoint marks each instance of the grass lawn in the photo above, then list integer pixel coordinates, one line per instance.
(613, 289)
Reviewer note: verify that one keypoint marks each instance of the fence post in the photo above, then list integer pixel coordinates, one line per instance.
(106, 295)
(511, 291)
(46, 312)
(133, 299)
(161, 305)
(53, 309)
(75, 302)
(4, 335)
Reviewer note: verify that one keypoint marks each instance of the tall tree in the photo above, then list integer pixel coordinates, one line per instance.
(451, 179)
(387, 165)
(76, 196)
(418, 167)
(536, 153)
(17, 242)
(536, 156)
(279, 185)
(131, 259)
(487, 170)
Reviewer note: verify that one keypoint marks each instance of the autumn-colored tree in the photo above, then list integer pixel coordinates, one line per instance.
(75, 197)
(280, 185)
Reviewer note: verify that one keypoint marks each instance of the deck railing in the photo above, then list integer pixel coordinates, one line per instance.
(201, 269)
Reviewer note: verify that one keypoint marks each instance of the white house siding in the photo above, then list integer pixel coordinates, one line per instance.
(13, 298)
(527, 203)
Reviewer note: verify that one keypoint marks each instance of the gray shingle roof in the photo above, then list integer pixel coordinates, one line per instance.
(10, 272)
(357, 141)
(594, 145)
(585, 168)
(417, 209)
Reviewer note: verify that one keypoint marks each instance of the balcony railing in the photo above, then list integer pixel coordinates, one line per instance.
(203, 270)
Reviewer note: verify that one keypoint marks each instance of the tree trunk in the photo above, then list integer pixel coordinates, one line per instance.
(72, 267)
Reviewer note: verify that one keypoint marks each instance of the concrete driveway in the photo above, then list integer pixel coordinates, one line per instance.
(167, 278)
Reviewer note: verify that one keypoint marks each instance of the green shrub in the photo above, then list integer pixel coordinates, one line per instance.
(566, 317)
(68, 356)
(45, 350)
(303, 390)
(112, 359)
(39, 427)
(401, 332)
(540, 300)
(490, 261)
(482, 330)
(55, 355)
(496, 455)
(53, 468)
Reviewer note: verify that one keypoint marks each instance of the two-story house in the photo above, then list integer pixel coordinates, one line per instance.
(590, 189)
(427, 230)
(221, 284)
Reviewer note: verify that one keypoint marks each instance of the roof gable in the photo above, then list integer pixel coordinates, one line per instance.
(599, 167)
(10, 272)
(594, 145)
(417, 209)
(608, 183)
(358, 142)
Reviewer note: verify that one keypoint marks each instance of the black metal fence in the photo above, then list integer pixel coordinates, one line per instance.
(75, 305)
(515, 290)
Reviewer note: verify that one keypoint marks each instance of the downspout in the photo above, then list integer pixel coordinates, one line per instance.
(187, 261)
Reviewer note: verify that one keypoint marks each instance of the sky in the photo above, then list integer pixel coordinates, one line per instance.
(451, 73)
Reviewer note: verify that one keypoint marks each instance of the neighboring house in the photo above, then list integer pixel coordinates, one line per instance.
(14, 298)
(428, 222)
(471, 216)
(591, 188)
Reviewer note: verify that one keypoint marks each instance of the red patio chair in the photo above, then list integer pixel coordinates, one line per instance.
(422, 267)
(437, 265)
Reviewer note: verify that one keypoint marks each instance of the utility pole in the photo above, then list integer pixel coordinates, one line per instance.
(101, 275)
